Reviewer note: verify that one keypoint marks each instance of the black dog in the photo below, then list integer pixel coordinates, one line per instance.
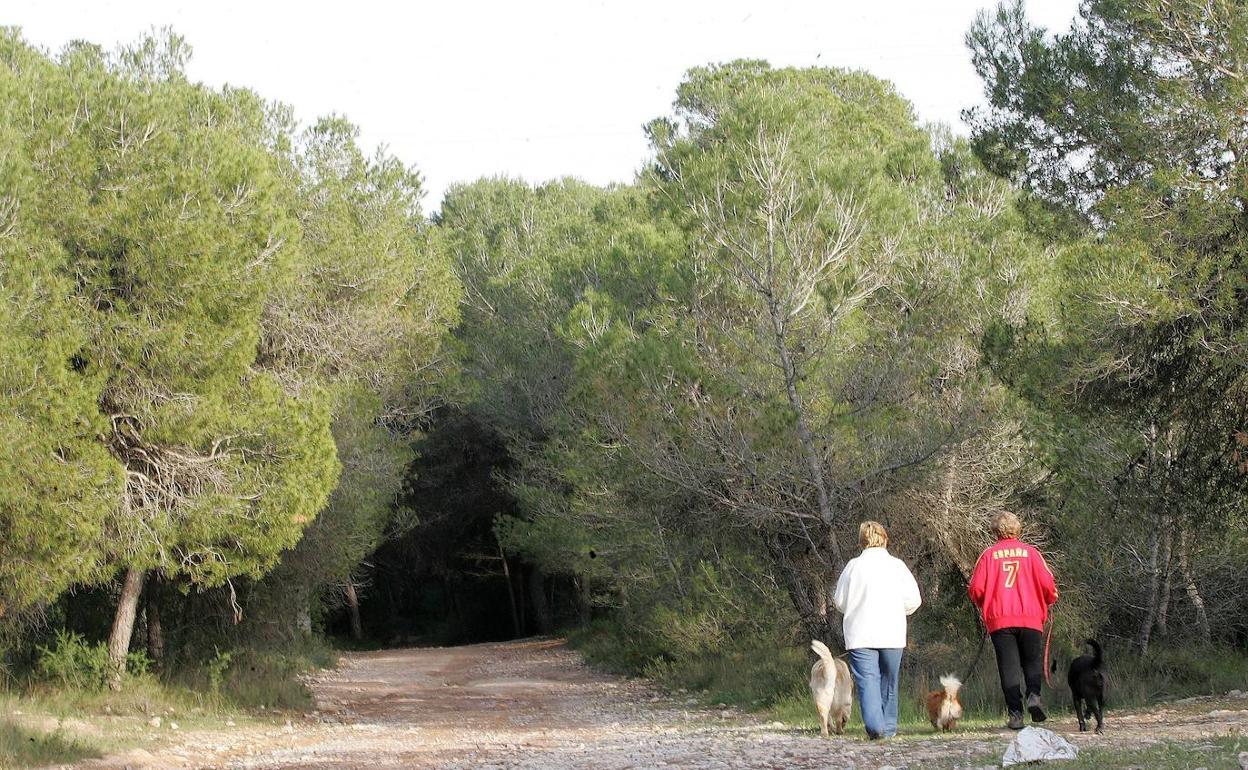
(1087, 687)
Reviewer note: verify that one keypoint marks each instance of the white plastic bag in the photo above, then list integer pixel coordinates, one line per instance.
(1035, 744)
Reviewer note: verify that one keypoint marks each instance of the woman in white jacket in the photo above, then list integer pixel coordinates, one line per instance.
(875, 593)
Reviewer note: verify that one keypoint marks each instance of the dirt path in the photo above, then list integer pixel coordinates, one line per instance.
(533, 705)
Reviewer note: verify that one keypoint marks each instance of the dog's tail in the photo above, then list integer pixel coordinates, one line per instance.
(821, 650)
(951, 684)
(1098, 657)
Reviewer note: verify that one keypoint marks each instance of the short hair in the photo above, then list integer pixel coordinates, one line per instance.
(1006, 525)
(871, 534)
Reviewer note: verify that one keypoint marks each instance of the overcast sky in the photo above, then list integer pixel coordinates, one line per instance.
(538, 89)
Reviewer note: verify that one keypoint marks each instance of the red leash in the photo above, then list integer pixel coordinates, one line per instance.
(1048, 639)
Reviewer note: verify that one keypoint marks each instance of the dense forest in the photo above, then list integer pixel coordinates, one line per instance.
(254, 396)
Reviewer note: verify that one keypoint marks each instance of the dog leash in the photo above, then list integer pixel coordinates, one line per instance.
(1048, 640)
(983, 640)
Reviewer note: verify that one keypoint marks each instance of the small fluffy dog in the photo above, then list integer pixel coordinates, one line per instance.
(943, 707)
(832, 688)
(1087, 686)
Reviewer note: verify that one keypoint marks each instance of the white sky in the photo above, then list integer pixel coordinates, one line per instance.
(540, 89)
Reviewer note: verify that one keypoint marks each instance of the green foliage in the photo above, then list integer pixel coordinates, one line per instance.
(209, 317)
(137, 663)
(1127, 133)
(72, 662)
(366, 316)
(223, 335)
(750, 677)
(160, 211)
(527, 257)
(269, 679)
(723, 630)
(57, 483)
(812, 359)
(705, 379)
(1170, 672)
(216, 668)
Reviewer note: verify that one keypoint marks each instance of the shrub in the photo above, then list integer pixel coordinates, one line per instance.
(216, 668)
(73, 663)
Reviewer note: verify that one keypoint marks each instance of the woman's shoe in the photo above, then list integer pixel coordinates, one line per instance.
(1034, 708)
(1016, 721)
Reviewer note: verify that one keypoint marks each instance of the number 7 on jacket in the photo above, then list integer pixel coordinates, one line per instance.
(1011, 568)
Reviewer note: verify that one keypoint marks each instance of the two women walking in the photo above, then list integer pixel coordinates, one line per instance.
(1012, 586)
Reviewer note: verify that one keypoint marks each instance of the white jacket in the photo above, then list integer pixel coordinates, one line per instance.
(875, 593)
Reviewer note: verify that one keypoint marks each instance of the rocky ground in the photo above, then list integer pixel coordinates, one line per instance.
(533, 704)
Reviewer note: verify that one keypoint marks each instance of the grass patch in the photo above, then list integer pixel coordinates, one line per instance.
(139, 696)
(46, 725)
(1210, 753)
(1134, 683)
(772, 678)
(750, 679)
(798, 710)
(1169, 673)
(57, 717)
(268, 680)
(606, 645)
(23, 747)
(1215, 754)
(255, 678)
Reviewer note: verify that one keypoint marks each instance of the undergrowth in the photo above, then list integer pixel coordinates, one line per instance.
(25, 747)
(771, 678)
(67, 680)
(256, 678)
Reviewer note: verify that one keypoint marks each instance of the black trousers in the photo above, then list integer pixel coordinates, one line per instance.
(1019, 648)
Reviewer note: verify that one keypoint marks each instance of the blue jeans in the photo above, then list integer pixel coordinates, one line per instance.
(875, 677)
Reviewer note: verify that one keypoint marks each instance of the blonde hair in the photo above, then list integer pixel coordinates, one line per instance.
(1006, 525)
(871, 534)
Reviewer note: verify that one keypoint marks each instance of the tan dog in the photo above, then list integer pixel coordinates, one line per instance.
(832, 688)
(943, 707)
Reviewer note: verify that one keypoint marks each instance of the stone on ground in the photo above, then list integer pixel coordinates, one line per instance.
(1035, 744)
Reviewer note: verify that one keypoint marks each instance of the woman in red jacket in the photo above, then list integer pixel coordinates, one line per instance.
(1013, 588)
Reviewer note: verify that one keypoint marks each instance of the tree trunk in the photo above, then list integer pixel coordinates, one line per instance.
(667, 555)
(1189, 583)
(1154, 592)
(452, 601)
(1145, 634)
(392, 609)
(522, 601)
(811, 605)
(830, 631)
(151, 612)
(1167, 572)
(583, 613)
(813, 459)
(537, 598)
(353, 611)
(123, 625)
(511, 594)
(303, 618)
(1166, 525)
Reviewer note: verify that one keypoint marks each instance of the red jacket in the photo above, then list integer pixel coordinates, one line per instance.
(1012, 586)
